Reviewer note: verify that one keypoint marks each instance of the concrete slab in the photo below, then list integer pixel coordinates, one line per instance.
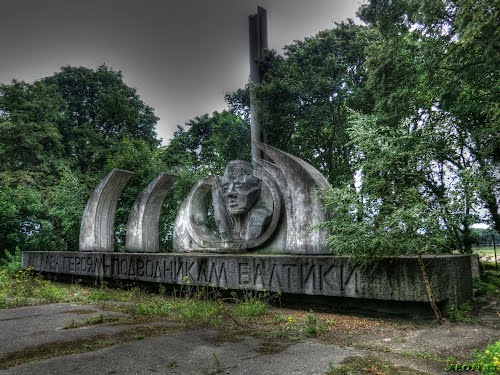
(32, 326)
(192, 352)
(188, 352)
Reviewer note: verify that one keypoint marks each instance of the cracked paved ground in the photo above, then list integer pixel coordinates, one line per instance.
(197, 351)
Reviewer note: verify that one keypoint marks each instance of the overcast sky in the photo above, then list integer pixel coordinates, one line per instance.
(181, 55)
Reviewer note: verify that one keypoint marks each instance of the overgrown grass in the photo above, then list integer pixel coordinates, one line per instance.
(370, 365)
(194, 307)
(488, 360)
(251, 305)
(486, 252)
(461, 313)
(488, 285)
(487, 258)
(26, 288)
(98, 319)
(190, 306)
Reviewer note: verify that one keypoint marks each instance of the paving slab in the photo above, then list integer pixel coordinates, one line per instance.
(27, 327)
(199, 351)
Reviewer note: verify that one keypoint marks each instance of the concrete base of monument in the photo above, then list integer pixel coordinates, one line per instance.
(396, 282)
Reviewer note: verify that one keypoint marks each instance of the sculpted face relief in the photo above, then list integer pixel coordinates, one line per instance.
(240, 188)
(270, 204)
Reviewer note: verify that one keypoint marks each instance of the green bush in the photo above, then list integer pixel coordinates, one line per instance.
(461, 313)
(11, 262)
(489, 284)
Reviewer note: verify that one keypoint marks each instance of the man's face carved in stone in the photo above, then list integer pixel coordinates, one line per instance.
(240, 189)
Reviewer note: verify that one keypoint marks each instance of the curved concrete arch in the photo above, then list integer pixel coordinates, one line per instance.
(298, 181)
(143, 221)
(97, 227)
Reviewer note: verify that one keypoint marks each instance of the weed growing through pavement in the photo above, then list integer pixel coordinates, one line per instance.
(314, 325)
(98, 319)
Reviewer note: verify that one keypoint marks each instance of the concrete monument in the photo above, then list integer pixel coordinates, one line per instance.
(247, 206)
(251, 228)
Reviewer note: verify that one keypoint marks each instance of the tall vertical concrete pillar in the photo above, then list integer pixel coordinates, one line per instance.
(257, 24)
(144, 218)
(97, 228)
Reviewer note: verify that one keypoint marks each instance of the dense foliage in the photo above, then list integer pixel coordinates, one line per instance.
(433, 138)
(59, 136)
(400, 114)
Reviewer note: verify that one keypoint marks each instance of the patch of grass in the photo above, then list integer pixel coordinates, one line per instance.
(199, 312)
(461, 313)
(370, 365)
(313, 325)
(298, 326)
(488, 285)
(489, 359)
(104, 293)
(252, 305)
(426, 356)
(490, 266)
(98, 319)
(153, 307)
(50, 293)
(24, 288)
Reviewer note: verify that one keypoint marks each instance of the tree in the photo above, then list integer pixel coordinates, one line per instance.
(305, 97)
(406, 199)
(436, 66)
(29, 118)
(58, 137)
(101, 109)
(239, 102)
(209, 142)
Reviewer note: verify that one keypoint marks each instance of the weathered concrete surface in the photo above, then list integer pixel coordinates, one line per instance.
(298, 183)
(29, 327)
(193, 352)
(273, 205)
(396, 279)
(257, 33)
(475, 266)
(97, 230)
(144, 218)
(247, 210)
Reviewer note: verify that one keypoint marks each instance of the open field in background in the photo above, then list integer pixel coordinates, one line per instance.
(487, 255)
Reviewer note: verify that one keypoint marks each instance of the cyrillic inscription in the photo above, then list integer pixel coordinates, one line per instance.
(310, 275)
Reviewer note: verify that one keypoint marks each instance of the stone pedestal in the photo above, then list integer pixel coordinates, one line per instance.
(396, 279)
